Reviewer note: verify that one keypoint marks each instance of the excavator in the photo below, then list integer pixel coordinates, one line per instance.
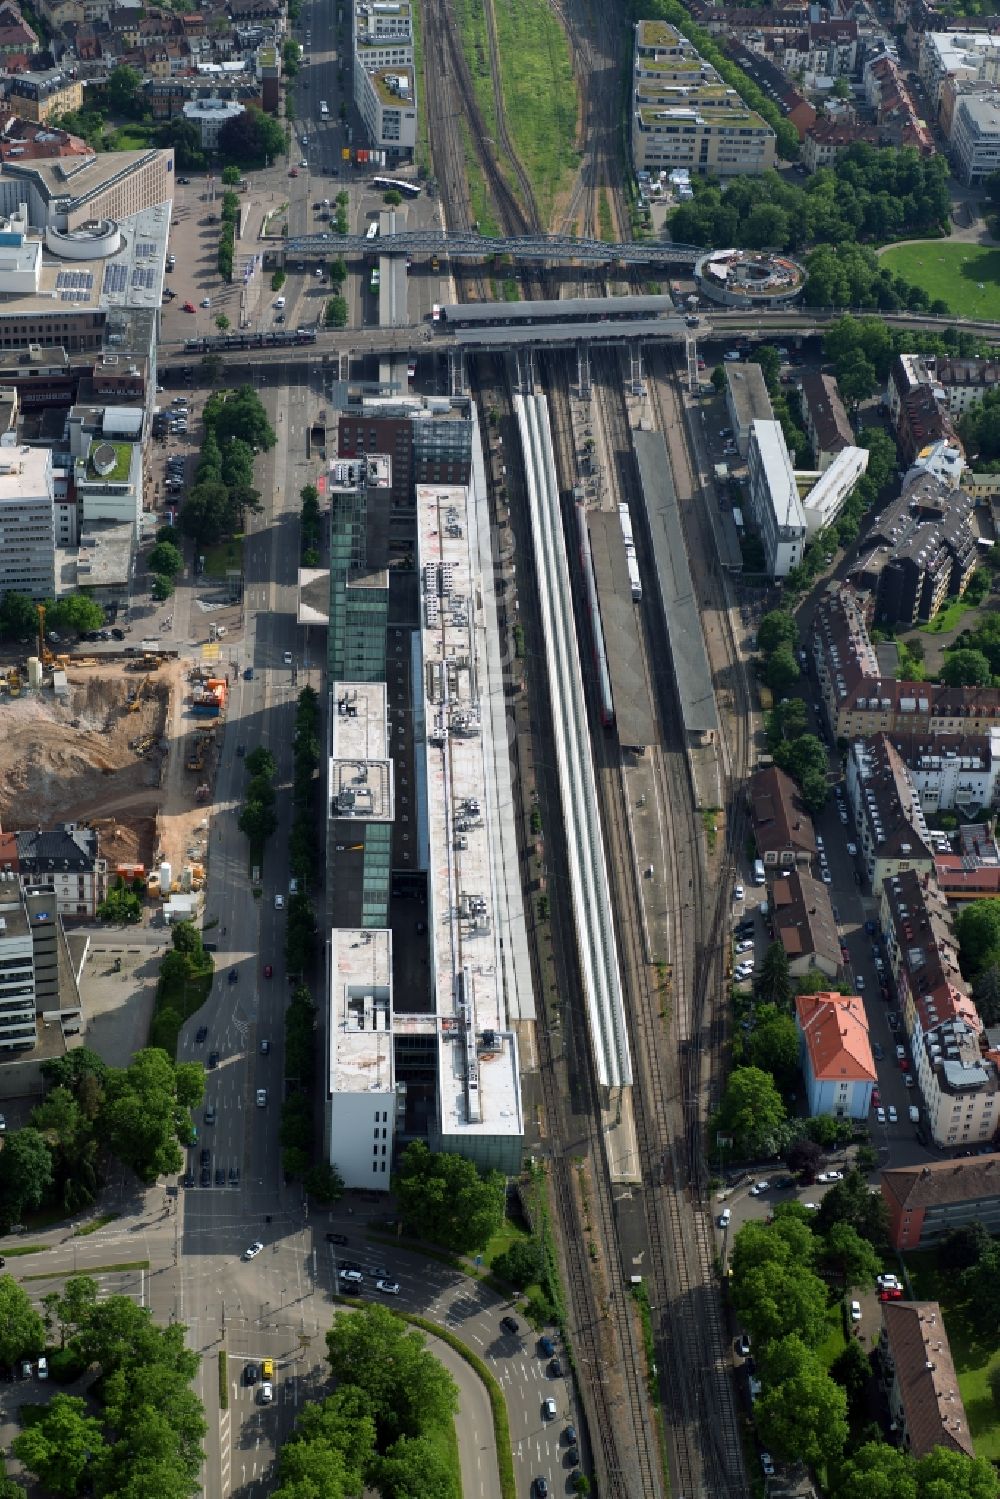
(44, 654)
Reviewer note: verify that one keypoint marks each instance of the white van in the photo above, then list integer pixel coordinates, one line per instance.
(279, 302)
(324, 109)
(758, 872)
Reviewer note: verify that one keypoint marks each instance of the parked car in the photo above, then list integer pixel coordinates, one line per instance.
(855, 1311)
(725, 1217)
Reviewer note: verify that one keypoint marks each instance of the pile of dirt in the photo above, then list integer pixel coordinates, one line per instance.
(84, 756)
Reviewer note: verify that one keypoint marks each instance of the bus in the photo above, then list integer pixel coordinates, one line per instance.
(324, 110)
(372, 232)
(397, 184)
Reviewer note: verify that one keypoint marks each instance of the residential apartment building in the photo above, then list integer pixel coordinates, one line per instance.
(926, 1202)
(921, 552)
(966, 56)
(64, 860)
(685, 116)
(957, 1081)
(17, 972)
(920, 1381)
(384, 77)
(775, 505)
(953, 772)
(782, 828)
(823, 417)
(860, 699)
(803, 922)
(836, 1054)
(36, 96)
(886, 811)
(27, 522)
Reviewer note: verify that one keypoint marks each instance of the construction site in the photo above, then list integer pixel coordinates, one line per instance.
(111, 743)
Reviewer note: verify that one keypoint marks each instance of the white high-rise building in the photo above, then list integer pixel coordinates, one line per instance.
(27, 522)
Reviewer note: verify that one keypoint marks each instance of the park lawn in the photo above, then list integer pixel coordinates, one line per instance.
(834, 1342)
(222, 556)
(973, 1349)
(947, 618)
(133, 137)
(953, 272)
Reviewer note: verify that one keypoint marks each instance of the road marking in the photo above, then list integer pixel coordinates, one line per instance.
(225, 1448)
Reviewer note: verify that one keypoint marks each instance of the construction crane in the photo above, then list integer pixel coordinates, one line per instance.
(44, 654)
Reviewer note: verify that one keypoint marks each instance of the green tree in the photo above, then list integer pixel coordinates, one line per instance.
(25, 1174)
(324, 1183)
(782, 670)
(120, 905)
(207, 514)
(857, 378)
(161, 587)
(444, 1198)
(408, 1390)
(752, 1112)
(75, 612)
(240, 414)
(257, 821)
(291, 54)
(521, 1264)
(222, 323)
(336, 313)
(251, 139)
(231, 176)
(414, 1468)
(775, 630)
(118, 1334)
(966, 669)
(804, 1157)
(76, 1304)
(22, 1331)
(877, 1471)
(978, 929)
(17, 616)
(962, 1246)
(788, 721)
(8, 1488)
(773, 1046)
(138, 1115)
(944, 1474)
(60, 1443)
(261, 762)
(855, 1259)
(852, 1371)
(718, 378)
(850, 1201)
(774, 1300)
(802, 1414)
(122, 89)
(773, 984)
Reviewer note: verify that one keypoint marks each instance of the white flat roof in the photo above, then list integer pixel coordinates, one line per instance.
(479, 1087)
(777, 466)
(360, 1059)
(360, 780)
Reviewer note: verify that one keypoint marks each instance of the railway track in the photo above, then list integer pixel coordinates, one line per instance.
(669, 1100)
(530, 204)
